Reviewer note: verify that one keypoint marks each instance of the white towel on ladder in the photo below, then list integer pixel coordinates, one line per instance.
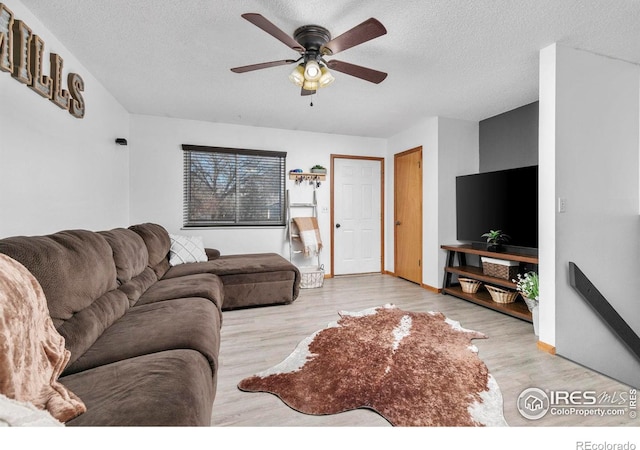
(309, 234)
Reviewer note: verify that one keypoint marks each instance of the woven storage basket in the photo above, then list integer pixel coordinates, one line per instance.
(499, 295)
(469, 285)
(311, 277)
(507, 271)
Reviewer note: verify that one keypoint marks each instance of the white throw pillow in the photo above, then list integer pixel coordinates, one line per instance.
(186, 249)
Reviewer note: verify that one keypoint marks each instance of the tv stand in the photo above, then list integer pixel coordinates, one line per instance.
(482, 297)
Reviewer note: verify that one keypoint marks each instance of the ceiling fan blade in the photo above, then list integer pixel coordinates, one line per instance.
(264, 65)
(304, 91)
(262, 23)
(367, 30)
(374, 76)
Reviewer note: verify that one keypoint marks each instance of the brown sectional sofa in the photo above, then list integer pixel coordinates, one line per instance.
(144, 337)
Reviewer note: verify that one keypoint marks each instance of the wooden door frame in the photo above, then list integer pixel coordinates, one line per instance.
(395, 210)
(382, 211)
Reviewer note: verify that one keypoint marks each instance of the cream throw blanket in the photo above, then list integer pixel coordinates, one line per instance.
(32, 352)
(21, 414)
(309, 234)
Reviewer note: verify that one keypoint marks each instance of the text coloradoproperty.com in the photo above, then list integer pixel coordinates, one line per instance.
(572, 410)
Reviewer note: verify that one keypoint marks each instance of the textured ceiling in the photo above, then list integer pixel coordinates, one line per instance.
(452, 58)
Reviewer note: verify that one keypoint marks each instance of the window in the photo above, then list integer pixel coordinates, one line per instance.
(233, 187)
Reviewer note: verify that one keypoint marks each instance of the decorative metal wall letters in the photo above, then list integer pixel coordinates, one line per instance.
(21, 54)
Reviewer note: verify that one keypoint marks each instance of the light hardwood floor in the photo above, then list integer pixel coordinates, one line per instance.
(258, 338)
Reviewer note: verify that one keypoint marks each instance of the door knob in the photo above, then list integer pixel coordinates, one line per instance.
(397, 222)
(337, 225)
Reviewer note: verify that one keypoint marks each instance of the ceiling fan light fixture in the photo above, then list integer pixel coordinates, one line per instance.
(310, 85)
(297, 75)
(312, 71)
(325, 78)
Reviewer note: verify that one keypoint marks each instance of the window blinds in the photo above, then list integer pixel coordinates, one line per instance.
(233, 187)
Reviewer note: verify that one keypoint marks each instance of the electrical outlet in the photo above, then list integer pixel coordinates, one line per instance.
(325, 209)
(562, 204)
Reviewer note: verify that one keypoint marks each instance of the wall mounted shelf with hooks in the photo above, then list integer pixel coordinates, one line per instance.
(308, 176)
(301, 177)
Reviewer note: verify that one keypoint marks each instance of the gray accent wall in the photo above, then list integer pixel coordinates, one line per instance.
(509, 140)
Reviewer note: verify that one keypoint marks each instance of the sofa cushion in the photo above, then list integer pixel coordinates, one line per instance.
(236, 265)
(212, 253)
(129, 253)
(258, 289)
(138, 285)
(172, 388)
(74, 268)
(158, 243)
(87, 325)
(253, 279)
(192, 323)
(186, 249)
(204, 285)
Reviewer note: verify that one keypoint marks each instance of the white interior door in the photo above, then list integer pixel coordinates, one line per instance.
(357, 203)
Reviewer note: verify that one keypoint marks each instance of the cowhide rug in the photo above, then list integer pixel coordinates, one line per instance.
(414, 369)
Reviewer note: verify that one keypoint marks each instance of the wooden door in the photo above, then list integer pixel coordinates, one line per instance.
(357, 215)
(408, 215)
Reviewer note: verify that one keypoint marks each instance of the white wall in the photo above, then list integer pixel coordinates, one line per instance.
(156, 175)
(449, 148)
(458, 150)
(58, 172)
(596, 156)
(547, 195)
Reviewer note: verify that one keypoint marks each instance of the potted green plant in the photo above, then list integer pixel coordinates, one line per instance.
(495, 239)
(318, 169)
(529, 287)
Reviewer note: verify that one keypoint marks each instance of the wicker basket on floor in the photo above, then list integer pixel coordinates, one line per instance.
(311, 277)
(469, 285)
(500, 295)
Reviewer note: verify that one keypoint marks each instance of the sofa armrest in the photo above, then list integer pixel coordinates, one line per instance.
(212, 253)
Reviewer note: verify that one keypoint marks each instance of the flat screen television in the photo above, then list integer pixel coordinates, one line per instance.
(503, 200)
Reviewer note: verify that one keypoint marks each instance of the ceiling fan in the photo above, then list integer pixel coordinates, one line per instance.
(314, 43)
